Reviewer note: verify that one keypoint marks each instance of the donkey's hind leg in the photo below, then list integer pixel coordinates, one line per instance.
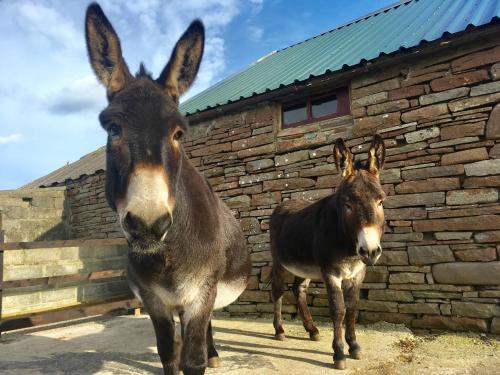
(300, 291)
(213, 356)
(278, 288)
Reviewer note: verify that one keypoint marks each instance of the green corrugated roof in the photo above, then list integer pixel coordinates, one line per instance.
(402, 25)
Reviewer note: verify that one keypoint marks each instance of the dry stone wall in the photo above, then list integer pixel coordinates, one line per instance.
(34, 214)
(440, 120)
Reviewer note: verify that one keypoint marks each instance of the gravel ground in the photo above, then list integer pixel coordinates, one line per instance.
(126, 345)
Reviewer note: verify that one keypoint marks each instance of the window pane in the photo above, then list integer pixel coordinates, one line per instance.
(294, 114)
(324, 106)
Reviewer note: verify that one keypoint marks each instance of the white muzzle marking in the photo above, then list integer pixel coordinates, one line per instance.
(147, 195)
(368, 239)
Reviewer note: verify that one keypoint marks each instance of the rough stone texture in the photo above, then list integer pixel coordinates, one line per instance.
(430, 254)
(475, 310)
(467, 273)
(441, 179)
(48, 262)
(34, 214)
(493, 125)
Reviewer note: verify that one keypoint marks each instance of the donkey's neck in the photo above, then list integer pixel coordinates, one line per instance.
(195, 215)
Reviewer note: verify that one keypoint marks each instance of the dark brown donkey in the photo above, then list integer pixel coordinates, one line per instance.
(187, 251)
(332, 239)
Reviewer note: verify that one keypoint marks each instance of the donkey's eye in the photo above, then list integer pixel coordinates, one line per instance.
(178, 135)
(114, 131)
(380, 203)
(347, 206)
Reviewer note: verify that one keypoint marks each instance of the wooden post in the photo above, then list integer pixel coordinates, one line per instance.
(1, 272)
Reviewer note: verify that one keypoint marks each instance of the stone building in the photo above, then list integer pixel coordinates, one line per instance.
(424, 74)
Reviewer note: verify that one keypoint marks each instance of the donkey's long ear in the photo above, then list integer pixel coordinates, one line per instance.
(376, 155)
(104, 50)
(343, 158)
(181, 70)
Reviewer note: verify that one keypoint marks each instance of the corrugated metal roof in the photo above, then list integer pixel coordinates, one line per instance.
(403, 25)
(86, 165)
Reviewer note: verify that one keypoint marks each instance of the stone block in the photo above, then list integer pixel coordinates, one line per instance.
(471, 196)
(390, 295)
(421, 199)
(287, 184)
(370, 99)
(384, 306)
(483, 168)
(405, 213)
(376, 274)
(253, 151)
(457, 80)
(389, 84)
(467, 273)
(292, 157)
(429, 254)
(419, 308)
(371, 124)
(407, 92)
(495, 326)
(425, 112)
(473, 102)
(477, 255)
(464, 130)
(239, 201)
(482, 222)
(492, 236)
(392, 106)
(475, 310)
(407, 278)
(311, 195)
(265, 199)
(369, 317)
(422, 135)
(393, 258)
(428, 185)
(476, 59)
(485, 88)
(446, 236)
(424, 173)
(320, 170)
(465, 156)
(481, 181)
(444, 96)
(493, 124)
(261, 256)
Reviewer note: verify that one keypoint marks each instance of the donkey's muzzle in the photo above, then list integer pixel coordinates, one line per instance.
(370, 257)
(137, 229)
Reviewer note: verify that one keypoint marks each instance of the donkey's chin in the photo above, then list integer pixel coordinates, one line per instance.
(144, 246)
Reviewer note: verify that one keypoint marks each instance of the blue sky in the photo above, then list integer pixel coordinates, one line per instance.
(50, 100)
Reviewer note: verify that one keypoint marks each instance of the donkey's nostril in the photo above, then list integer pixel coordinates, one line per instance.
(378, 251)
(132, 223)
(161, 225)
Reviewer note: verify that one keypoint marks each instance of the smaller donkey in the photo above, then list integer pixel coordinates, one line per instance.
(332, 239)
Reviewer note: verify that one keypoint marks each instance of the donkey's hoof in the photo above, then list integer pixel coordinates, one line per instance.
(315, 336)
(279, 336)
(339, 364)
(355, 354)
(214, 362)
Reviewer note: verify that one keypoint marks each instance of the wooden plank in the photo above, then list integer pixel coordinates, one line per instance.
(61, 243)
(2, 238)
(68, 313)
(64, 279)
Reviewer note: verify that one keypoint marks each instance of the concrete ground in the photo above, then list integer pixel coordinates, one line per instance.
(126, 345)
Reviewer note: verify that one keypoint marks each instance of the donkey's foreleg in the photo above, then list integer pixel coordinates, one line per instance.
(165, 340)
(213, 356)
(278, 288)
(300, 291)
(337, 313)
(351, 298)
(194, 357)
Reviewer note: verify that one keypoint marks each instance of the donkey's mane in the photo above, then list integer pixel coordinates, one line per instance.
(143, 72)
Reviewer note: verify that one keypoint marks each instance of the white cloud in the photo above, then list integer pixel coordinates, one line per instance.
(10, 138)
(255, 33)
(81, 95)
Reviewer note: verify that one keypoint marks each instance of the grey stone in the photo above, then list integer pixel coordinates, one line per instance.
(475, 310)
(467, 273)
(444, 95)
(483, 168)
(422, 135)
(429, 254)
(486, 88)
